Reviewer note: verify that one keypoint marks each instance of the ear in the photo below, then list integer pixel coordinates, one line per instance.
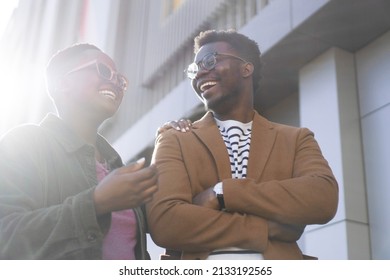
(247, 70)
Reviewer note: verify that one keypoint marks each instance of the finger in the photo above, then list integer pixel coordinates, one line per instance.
(133, 166)
(187, 122)
(184, 125)
(166, 126)
(169, 125)
(160, 130)
(142, 179)
(144, 183)
(174, 124)
(147, 195)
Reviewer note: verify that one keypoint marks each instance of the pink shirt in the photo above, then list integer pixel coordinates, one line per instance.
(119, 243)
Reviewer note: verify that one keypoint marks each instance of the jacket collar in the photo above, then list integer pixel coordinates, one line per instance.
(262, 141)
(207, 131)
(72, 143)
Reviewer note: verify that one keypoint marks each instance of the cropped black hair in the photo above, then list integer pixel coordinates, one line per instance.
(247, 48)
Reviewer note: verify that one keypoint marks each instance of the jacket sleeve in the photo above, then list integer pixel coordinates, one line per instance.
(176, 223)
(31, 227)
(306, 194)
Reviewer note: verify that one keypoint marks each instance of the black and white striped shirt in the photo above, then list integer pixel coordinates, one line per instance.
(237, 138)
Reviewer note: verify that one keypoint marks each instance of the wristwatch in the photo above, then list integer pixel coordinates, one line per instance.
(218, 189)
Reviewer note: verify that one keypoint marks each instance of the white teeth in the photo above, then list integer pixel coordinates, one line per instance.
(207, 84)
(108, 93)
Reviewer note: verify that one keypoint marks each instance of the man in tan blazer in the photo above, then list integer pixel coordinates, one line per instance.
(237, 186)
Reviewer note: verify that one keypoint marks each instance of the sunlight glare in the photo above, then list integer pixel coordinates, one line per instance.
(6, 10)
(11, 100)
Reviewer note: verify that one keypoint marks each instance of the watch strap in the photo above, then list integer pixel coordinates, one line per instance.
(218, 190)
(221, 202)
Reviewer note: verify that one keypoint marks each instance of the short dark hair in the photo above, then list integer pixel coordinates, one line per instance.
(247, 48)
(64, 60)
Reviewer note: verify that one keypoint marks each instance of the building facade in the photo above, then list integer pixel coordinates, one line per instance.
(327, 67)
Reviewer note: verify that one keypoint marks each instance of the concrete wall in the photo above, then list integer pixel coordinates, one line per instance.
(329, 107)
(373, 72)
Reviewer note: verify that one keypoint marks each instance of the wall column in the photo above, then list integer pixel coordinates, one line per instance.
(328, 101)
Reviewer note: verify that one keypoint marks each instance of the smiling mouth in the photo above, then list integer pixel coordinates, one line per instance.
(207, 85)
(108, 93)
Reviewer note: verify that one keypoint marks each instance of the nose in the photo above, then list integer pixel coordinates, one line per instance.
(115, 81)
(201, 71)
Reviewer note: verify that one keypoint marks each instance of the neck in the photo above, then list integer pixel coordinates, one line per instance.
(238, 105)
(240, 109)
(243, 116)
(86, 128)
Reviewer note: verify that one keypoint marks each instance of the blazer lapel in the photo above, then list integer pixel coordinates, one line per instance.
(262, 141)
(208, 133)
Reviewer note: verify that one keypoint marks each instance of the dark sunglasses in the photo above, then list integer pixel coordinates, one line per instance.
(105, 72)
(207, 63)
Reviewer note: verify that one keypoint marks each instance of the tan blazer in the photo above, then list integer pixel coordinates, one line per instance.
(288, 181)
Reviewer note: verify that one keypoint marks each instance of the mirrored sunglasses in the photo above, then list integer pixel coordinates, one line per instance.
(208, 62)
(104, 71)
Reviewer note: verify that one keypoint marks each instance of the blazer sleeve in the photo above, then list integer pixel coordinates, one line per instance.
(296, 187)
(176, 223)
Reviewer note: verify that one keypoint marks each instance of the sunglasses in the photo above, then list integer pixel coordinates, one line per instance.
(105, 72)
(208, 62)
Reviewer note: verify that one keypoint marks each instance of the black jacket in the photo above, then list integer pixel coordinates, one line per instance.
(47, 179)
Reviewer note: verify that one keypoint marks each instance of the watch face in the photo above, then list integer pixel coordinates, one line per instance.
(218, 188)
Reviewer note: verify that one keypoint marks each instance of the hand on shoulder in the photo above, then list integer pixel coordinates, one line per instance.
(183, 125)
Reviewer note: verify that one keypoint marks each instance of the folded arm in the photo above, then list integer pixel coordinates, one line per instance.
(176, 223)
(308, 196)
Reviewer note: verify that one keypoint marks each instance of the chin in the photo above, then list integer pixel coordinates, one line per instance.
(108, 113)
(211, 104)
